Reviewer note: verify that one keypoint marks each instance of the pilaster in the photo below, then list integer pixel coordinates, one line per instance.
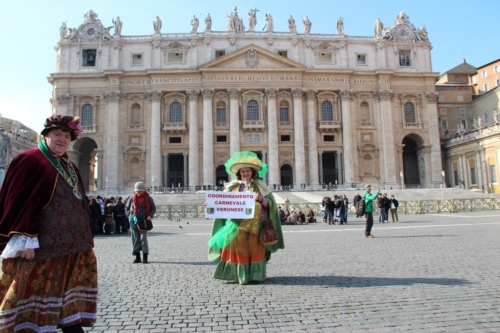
(298, 125)
(193, 138)
(272, 127)
(312, 141)
(112, 139)
(208, 141)
(154, 97)
(234, 120)
(435, 161)
(347, 135)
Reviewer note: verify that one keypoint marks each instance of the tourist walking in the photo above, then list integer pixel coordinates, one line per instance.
(48, 279)
(140, 207)
(394, 204)
(235, 245)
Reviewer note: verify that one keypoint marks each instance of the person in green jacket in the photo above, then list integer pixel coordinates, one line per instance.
(235, 244)
(368, 197)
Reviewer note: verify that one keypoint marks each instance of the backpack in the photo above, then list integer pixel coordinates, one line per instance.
(360, 207)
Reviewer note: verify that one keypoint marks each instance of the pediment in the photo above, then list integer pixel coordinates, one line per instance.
(251, 58)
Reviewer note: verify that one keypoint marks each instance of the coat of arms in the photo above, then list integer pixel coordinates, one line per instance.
(252, 58)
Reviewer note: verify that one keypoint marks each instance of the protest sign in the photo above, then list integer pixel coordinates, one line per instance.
(230, 205)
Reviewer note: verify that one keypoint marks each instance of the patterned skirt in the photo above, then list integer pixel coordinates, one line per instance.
(40, 296)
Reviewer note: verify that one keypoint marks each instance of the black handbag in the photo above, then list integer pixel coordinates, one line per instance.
(144, 225)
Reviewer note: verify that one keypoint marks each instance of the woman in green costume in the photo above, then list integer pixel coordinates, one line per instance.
(235, 245)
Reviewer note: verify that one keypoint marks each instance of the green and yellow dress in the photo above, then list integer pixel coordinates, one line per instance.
(235, 245)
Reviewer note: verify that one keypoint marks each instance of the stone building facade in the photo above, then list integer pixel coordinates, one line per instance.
(170, 109)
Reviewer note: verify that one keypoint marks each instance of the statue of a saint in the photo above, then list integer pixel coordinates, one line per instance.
(479, 123)
(379, 26)
(340, 26)
(269, 23)
(118, 26)
(194, 24)
(307, 25)
(157, 25)
(291, 24)
(208, 23)
(252, 20)
(495, 116)
(63, 30)
(474, 124)
(5, 149)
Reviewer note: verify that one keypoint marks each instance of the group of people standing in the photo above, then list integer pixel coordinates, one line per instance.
(287, 217)
(108, 216)
(335, 209)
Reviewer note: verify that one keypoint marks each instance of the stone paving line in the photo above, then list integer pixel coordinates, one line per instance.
(429, 273)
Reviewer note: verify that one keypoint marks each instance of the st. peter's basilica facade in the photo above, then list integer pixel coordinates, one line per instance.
(170, 109)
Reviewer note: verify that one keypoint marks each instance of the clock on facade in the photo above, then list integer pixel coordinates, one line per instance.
(90, 31)
(403, 32)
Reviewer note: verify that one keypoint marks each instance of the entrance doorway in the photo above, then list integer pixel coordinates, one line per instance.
(286, 175)
(86, 161)
(330, 172)
(410, 163)
(175, 174)
(221, 175)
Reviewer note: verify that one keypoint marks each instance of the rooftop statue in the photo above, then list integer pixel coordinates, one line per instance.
(307, 25)
(252, 20)
(5, 149)
(63, 30)
(340, 26)
(194, 24)
(157, 25)
(291, 24)
(269, 23)
(118, 26)
(208, 23)
(379, 26)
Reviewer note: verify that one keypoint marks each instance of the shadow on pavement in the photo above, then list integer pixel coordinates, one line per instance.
(359, 282)
(194, 263)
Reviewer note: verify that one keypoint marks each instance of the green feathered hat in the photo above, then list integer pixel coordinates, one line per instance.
(246, 159)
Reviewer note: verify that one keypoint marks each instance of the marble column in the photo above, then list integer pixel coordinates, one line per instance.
(100, 170)
(386, 132)
(185, 169)
(112, 139)
(272, 134)
(154, 97)
(312, 140)
(193, 138)
(298, 126)
(208, 140)
(156, 51)
(320, 159)
(264, 159)
(62, 101)
(234, 121)
(340, 158)
(348, 136)
(479, 170)
(400, 168)
(436, 164)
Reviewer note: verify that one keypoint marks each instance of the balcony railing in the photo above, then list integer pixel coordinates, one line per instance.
(412, 125)
(90, 129)
(135, 127)
(174, 127)
(253, 125)
(329, 126)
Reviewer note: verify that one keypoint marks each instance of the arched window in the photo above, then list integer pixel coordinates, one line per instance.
(284, 114)
(135, 114)
(87, 115)
(221, 112)
(175, 112)
(409, 112)
(326, 111)
(135, 172)
(252, 110)
(364, 110)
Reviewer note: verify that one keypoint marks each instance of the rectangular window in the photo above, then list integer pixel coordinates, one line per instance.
(493, 173)
(325, 57)
(455, 177)
(441, 98)
(89, 57)
(485, 118)
(361, 59)
(219, 53)
(284, 114)
(462, 111)
(221, 115)
(497, 69)
(444, 124)
(473, 176)
(485, 74)
(136, 59)
(283, 53)
(285, 138)
(464, 123)
(174, 140)
(460, 98)
(486, 87)
(405, 58)
(221, 138)
(474, 80)
(498, 83)
(328, 138)
(175, 57)
(442, 110)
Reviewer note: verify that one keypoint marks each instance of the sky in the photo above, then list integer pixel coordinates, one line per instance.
(30, 31)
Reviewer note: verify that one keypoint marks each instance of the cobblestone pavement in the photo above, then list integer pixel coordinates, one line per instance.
(428, 273)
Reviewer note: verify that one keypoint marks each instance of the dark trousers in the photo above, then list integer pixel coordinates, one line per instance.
(119, 228)
(369, 223)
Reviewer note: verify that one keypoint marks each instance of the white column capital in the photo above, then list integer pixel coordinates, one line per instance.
(153, 96)
(297, 93)
(271, 93)
(193, 94)
(207, 93)
(234, 92)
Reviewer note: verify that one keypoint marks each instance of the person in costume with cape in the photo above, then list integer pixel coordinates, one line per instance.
(235, 245)
(48, 278)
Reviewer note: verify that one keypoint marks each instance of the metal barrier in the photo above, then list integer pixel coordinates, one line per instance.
(405, 207)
